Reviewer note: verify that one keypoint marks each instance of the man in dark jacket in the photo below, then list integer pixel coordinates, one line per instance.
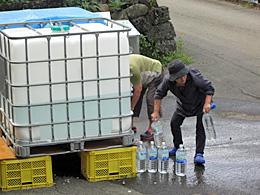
(194, 95)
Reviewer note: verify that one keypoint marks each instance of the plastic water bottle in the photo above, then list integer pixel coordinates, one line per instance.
(141, 158)
(157, 127)
(152, 158)
(158, 133)
(163, 159)
(181, 161)
(208, 125)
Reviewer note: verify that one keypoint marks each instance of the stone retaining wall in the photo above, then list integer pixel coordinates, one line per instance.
(150, 20)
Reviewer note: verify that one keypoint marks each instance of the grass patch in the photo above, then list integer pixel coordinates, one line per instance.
(249, 5)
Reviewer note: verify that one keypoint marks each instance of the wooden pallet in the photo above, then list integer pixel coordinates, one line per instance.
(5, 152)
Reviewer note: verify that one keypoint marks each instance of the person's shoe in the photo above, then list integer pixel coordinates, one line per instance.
(199, 158)
(134, 129)
(172, 152)
(148, 135)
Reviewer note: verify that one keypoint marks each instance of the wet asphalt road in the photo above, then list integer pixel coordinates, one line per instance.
(224, 39)
(232, 161)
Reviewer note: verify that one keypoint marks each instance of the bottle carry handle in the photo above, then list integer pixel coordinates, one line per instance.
(212, 106)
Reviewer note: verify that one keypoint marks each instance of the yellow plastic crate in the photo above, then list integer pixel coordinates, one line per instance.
(26, 173)
(116, 163)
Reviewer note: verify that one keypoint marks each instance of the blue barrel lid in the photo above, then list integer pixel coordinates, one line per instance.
(20, 16)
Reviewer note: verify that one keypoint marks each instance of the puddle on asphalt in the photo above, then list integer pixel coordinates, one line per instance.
(195, 176)
(239, 115)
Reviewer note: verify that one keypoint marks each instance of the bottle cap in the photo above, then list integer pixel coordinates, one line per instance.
(58, 28)
(152, 142)
(181, 146)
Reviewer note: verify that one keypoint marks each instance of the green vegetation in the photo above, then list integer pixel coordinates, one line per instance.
(249, 5)
(145, 47)
(90, 5)
(13, 1)
(150, 49)
(116, 4)
(153, 3)
(181, 53)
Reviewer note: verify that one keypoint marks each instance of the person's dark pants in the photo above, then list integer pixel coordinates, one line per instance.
(176, 123)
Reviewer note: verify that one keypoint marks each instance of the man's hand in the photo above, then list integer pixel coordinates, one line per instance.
(155, 116)
(206, 107)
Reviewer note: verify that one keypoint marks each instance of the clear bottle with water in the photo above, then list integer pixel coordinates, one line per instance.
(152, 158)
(208, 125)
(141, 158)
(158, 133)
(181, 161)
(163, 159)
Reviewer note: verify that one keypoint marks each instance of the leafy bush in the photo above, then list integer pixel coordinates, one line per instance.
(90, 5)
(116, 4)
(150, 49)
(249, 5)
(13, 1)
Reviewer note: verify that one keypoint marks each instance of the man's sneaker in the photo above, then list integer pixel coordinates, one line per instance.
(173, 151)
(134, 129)
(148, 135)
(199, 158)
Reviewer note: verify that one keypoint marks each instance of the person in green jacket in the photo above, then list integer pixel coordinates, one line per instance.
(147, 74)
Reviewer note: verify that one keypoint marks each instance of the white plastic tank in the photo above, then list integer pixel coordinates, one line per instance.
(60, 73)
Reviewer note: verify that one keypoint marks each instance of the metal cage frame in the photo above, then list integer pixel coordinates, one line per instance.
(24, 148)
